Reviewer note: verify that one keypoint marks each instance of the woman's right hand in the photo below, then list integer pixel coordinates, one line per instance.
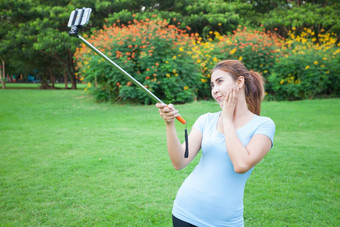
(167, 112)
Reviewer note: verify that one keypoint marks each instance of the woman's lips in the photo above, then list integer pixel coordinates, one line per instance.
(219, 98)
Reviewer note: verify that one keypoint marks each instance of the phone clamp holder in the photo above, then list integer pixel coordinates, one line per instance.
(78, 19)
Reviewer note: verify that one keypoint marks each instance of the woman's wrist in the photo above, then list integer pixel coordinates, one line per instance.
(169, 123)
(227, 123)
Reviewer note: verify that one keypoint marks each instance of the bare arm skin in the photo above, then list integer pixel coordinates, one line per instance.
(175, 148)
(243, 158)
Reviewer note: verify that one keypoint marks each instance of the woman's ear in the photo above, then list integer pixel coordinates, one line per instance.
(240, 82)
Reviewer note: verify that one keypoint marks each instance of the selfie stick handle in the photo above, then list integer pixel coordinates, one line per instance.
(129, 77)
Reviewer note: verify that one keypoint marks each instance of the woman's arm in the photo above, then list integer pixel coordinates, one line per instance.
(175, 149)
(243, 158)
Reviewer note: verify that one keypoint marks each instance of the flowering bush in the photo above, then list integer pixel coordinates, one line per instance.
(258, 50)
(309, 69)
(176, 66)
(153, 52)
(202, 55)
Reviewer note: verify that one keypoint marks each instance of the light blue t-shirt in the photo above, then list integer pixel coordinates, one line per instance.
(212, 195)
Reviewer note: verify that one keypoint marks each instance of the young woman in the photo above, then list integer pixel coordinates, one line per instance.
(232, 140)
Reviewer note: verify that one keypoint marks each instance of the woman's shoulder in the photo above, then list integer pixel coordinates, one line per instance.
(206, 119)
(209, 116)
(264, 121)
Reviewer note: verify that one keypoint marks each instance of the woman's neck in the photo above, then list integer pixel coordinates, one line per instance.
(241, 109)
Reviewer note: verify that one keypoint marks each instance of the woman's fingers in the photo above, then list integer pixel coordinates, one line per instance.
(167, 112)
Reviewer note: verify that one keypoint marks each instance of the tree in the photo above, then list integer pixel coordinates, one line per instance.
(35, 36)
(308, 15)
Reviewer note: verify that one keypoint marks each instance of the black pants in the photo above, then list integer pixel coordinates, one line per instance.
(179, 223)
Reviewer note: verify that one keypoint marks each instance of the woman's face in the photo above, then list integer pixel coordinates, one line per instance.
(221, 83)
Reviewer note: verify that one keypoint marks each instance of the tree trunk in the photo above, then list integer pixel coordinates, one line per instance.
(52, 77)
(71, 69)
(65, 79)
(3, 75)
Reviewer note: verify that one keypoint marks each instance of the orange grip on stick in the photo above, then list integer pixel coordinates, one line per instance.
(181, 120)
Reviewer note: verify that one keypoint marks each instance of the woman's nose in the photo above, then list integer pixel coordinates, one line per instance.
(215, 89)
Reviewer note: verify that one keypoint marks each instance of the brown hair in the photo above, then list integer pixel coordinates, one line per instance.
(253, 81)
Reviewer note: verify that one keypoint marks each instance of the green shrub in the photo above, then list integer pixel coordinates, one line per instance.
(309, 70)
(153, 52)
(258, 50)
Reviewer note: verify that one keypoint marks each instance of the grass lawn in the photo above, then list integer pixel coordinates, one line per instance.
(68, 161)
(37, 85)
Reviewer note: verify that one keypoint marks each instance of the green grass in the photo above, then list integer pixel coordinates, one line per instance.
(68, 161)
(37, 85)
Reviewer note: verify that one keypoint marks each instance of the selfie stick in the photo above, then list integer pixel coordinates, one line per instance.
(80, 18)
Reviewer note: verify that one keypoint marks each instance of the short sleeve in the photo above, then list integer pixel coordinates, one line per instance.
(200, 123)
(267, 128)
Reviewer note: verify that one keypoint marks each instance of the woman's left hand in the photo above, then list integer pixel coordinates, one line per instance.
(229, 104)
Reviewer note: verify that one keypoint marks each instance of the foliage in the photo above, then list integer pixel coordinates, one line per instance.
(256, 49)
(154, 52)
(308, 15)
(309, 70)
(34, 35)
(201, 16)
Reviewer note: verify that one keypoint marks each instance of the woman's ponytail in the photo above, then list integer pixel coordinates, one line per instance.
(254, 91)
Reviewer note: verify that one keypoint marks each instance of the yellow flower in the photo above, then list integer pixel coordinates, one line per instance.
(307, 67)
(82, 78)
(166, 62)
(219, 24)
(198, 61)
(186, 88)
(265, 71)
(316, 62)
(180, 49)
(89, 84)
(168, 75)
(322, 66)
(174, 71)
(176, 74)
(324, 58)
(215, 59)
(233, 51)
(204, 80)
(174, 57)
(282, 81)
(85, 89)
(240, 58)
(293, 28)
